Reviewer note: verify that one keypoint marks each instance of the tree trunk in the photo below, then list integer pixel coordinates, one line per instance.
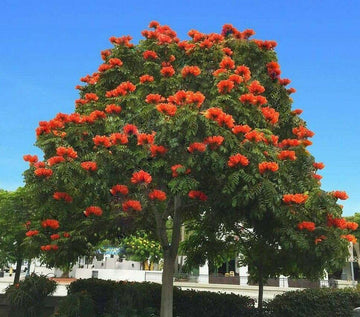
(17, 271)
(261, 291)
(166, 308)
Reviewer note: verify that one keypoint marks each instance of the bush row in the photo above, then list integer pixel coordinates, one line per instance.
(94, 297)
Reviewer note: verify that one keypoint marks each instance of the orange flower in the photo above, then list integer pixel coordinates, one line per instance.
(91, 97)
(268, 166)
(227, 63)
(227, 51)
(273, 69)
(146, 79)
(55, 160)
(351, 225)
(225, 86)
(122, 189)
(319, 239)
(302, 132)
(255, 136)
(167, 108)
(131, 204)
(89, 166)
(118, 138)
(66, 235)
(157, 194)
(150, 55)
(190, 70)
(340, 194)
(130, 129)
(308, 225)
(289, 142)
(267, 45)
(243, 71)
(62, 195)
(295, 198)
(43, 172)
(236, 79)
(241, 129)
(317, 176)
(319, 165)
(30, 158)
(49, 247)
(153, 98)
(255, 88)
(214, 141)
(284, 82)
(175, 170)
(141, 177)
(349, 237)
(112, 108)
(144, 138)
(55, 236)
(196, 146)
(296, 112)
(123, 89)
(237, 159)
(115, 62)
(193, 194)
(31, 233)
(283, 155)
(157, 149)
(102, 140)
(51, 223)
(270, 115)
(167, 71)
(95, 210)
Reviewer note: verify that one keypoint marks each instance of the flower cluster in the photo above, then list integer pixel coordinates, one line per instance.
(49, 247)
(93, 210)
(193, 194)
(51, 223)
(273, 69)
(55, 236)
(220, 117)
(157, 150)
(157, 194)
(289, 143)
(167, 108)
(144, 138)
(283, 155)
(255, 136)
(30, 158)
(241, 129)
(340, 194)
(307, 225)
(118, 138)
(268, 166)
(349, 237)
(225, 86)
(131, 204)
(214, 141)
(256, 88)
(113, 108)
(122, 189)
(141, 177)
(68, 152)
(61, 195)
(319, 165)
(253, 100)
(150, 55)
(190, 70)
(89, 166)
(266, 45)
(31, 233)
(102, 140)
(319, 239)
(122, 90)
(295, 198)
(175, 170)
(146, 79)
(302, 132)
(167, 71)
(238, 159)
(183, 97)
(196, 146)
(130, 129)
(270, 114)
(46, 172)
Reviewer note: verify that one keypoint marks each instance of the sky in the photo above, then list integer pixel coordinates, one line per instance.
(46, 46)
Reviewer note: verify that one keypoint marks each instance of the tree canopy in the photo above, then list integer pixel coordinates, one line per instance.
(200, 132)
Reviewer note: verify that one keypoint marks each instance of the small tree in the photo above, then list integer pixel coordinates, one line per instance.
(178, 131)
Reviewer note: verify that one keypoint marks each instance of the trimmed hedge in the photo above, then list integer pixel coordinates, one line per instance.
(109, 299)
(324, 302)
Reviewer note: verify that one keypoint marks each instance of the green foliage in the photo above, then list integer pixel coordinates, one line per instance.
(27, 297)
(76, 305)
(130, 299)
(140, 248)
(315, 302)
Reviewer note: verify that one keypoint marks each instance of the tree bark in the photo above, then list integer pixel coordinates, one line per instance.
(261, 292)
(166, 308)
(17, 271)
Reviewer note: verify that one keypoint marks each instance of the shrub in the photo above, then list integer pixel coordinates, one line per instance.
(323, 302)
(128, 299)
(76, 305)
(26, 298)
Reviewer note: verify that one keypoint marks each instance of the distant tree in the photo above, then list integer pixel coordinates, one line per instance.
(196, 132)
(15, 212)
(140, 247)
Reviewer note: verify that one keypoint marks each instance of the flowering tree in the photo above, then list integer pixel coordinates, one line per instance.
(181, 131)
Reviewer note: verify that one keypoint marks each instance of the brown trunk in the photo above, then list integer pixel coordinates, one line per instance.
(166, 308)
(261, 292)
(17, 271)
